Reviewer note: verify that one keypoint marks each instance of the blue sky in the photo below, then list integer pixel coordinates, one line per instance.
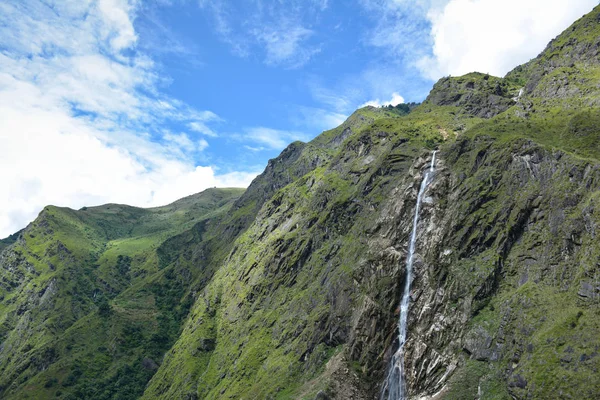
(274, 72)
(144, 102)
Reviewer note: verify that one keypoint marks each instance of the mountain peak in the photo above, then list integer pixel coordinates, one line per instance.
(480, 95)
(572, 52)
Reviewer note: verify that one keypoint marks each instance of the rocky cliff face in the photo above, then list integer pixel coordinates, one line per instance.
(291, 290)
(506, 293)
(476, 94)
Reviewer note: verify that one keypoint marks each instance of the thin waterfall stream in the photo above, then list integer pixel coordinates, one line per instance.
(394, 387)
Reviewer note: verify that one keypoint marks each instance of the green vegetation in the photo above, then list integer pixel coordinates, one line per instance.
(292, 287)
(402, 108)
(86, 311)
(9, 240)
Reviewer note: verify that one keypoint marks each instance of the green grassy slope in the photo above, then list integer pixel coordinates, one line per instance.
(285, 301)
(4, 243)
(266, 322)
(85, 297)
(292, 287)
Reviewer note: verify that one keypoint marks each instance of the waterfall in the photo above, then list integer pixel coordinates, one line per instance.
(518, 97)
(394, 387)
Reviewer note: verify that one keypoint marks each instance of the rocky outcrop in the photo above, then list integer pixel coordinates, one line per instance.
(480, 95)
(559, 71)
(503, 235)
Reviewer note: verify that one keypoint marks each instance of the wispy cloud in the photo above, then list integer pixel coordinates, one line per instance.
(284, 44)
(340, 97)
(200, 127)
(371, 86)
(182, 142)
(400, 28)
(255, 149)
(158, 38)
(225, 19)
(317, 119)
(282, 30)
(82, 116)
(268, 138)
(199, 124)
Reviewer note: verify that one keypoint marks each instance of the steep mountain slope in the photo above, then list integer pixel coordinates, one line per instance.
(505, 289)
(9, 240)
(279, 306)
(86, 297)
(291, 290)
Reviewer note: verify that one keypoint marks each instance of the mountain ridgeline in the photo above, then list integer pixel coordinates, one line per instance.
(292, 289)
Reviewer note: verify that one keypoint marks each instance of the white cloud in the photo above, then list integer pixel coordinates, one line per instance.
(400, 27)
(82, 120)
(317, 119)
(223, 15)
(201, 145)
(493, 36)
(254, 149)
(200, 127)
(280, 30)
(455, 37)
(340, 98)
(183, 142)
(394, 101)
(284, 44)
(380, 84)
(272, 138)
(118, 26)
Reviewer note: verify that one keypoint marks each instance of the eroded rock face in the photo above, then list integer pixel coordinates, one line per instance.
(499, 250)
(480, 95)
(549, 75)
(505, 231)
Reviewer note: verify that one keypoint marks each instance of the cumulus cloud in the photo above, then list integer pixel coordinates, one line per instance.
(394, 101)
(493, 36)
(82, 119)
(455, 37)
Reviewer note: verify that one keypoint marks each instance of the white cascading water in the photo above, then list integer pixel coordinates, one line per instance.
(521, 91)
(394, 387)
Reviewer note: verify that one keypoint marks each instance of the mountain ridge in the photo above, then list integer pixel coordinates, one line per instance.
(290, 289)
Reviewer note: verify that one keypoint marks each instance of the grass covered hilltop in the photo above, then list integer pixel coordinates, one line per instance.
(290, 289)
